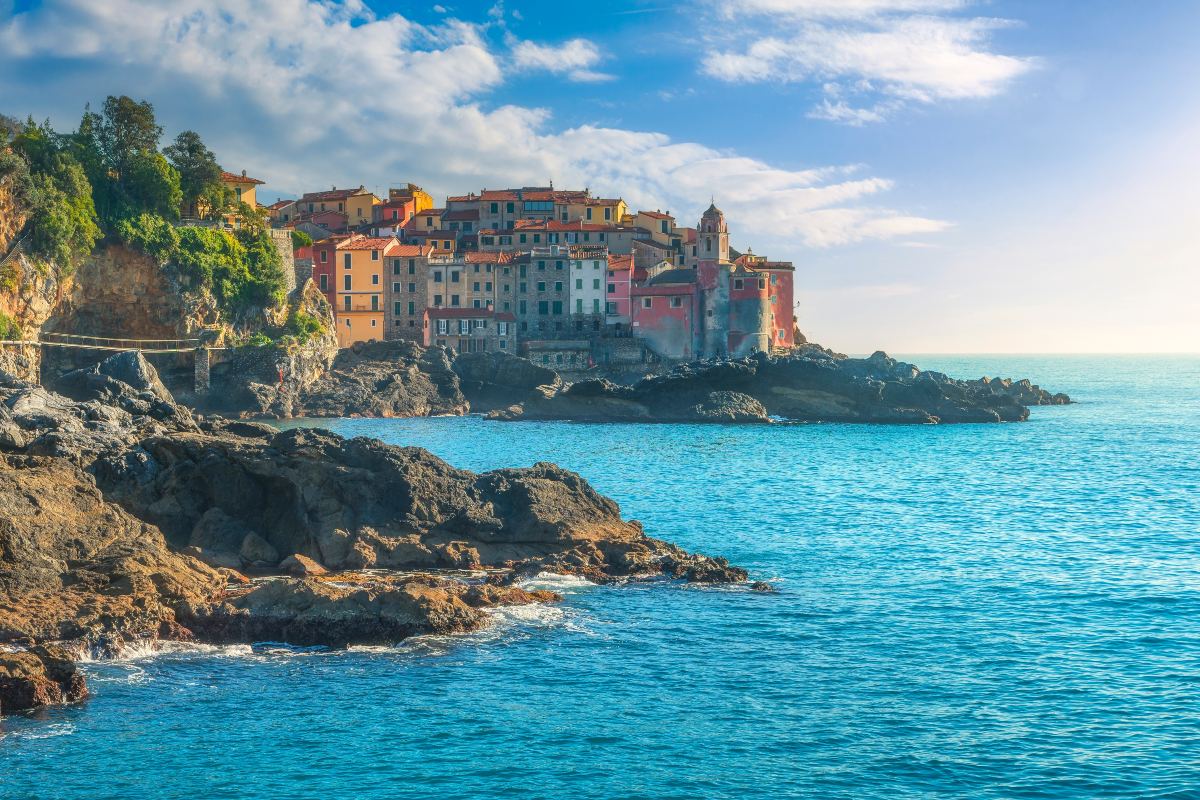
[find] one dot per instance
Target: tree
(152, 185)
(125, 130)
(199, 173)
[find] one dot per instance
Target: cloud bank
(309, 93)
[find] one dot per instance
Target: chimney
(243, 173)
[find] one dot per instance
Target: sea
(983, 611)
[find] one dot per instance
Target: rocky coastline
(125, 518)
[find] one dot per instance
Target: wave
(563, 584)
(41, 731)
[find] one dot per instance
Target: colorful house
(358, 278)
(619, 281)
(419, 198)
(355, 204)
(244, 188)
(586, 288)
(407, 270)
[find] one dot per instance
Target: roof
(278, 204)
(395, 203)
(333, 194)
(712, 210)
(653, 243)
(589, 250)
(461, 215)
(498, 194)
(655, 215)
(674, 276)
(621, 262)
(495, 257)
(367, 243)
(408, 251)
(662, 289)
(471, 313)
(230, 177)
(430, 212)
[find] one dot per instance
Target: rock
(257, 550)
(762, 586)
(301, 566)
(40, 676)
(494, 381)
(811, 384)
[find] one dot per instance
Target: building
(471, 330)
(396, 210)
(407, 271)
(281, 212)
(719, 308)
(618, 315)
(589, 270)
(244, 188)
(356, 204)
(542, 292)
(324, 258)
(359, 287)
(419, 198)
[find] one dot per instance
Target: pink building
(617, 293)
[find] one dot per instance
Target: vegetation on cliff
(108, 179)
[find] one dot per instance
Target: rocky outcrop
(812, 385)
(29, 294)
(40, 676)
(122, 518)
(493, 381)
(385, 379)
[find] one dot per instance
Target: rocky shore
(125, 518)
(809, 385)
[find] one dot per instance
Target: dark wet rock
(762, 586)
(811, 384)
(37, 677)
(385, 379)
(492, 381)
(301, 566)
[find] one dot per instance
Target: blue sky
(947, 175)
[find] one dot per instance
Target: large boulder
(497, 380)
(40, 676)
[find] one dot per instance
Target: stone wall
(283, 243)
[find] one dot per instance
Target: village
(560, 276)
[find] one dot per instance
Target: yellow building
(359, 276)
(660, 226)
(598, 210)
(421, 198)
(242, 186)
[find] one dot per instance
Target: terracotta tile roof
(621, 262)
(499, 194)
(496, 257)
(278, 204)
(409, 251)
(332, 194)
(230, 177)
(430, 212)
(368, 243)
(462, 198)
(655, 215)
(461, 215)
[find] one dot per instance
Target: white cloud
(347, 97)
(880, 48)
(574, 58)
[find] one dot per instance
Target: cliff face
(29, 295)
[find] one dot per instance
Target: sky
(946, 175)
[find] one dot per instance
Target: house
(471, 330)
(419, 198)
(618, 282)
(281, 212)
(542, 295)
(406, 269)
(242, 186)
(358, 281)
(398, 210)
(589, 269)
(666, 314)
(356, 204)
(324, 258)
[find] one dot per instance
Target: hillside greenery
(108, 180)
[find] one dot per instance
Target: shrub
(300, 239)
(151, 234)
(10, 329)
(304, 326)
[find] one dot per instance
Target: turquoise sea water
(964, 611)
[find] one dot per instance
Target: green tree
(300, 239)
(152, 185)
(199, 173)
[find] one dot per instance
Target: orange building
(359, 276)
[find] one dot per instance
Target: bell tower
(712, 236)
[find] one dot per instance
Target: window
(324, 256)
(558, 307)
(578, 283)
(646, 302)
(346, 283)
(521, 306)
(612, 288)
(578, 306)
(611, 308)
(454, 303)
(558, 265)
(395, 288)
(524, 287)
(595, 265)
(437, 276)
(762, 283)
(481, 324)
(578, 264)
(347, 323)
(522, 238)
(437, 301)
(543, 307)
(412, 309)
(443, 326)
(676, 302)
(596, 283)
(397, 309)
(464, 327)
(475, 286)
(541, 266)
(508, 207)
(347, 303)
(373, 323)
(374, 280)
(541, 286)
(522, 273)
(412, 288)
(324, 282)
(447, 245)
(374, 255)
(503, 344)
(589, 212)
(595, 305)
(374, 302)
(558, 286)
(395, 266)
(502, 329)
(737, 283)
(495, 208)
(558, 358)
(487, 287)
(476, 304)
(346, 260)
(608, 213)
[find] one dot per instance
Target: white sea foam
(556, 583)
(41, 731)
